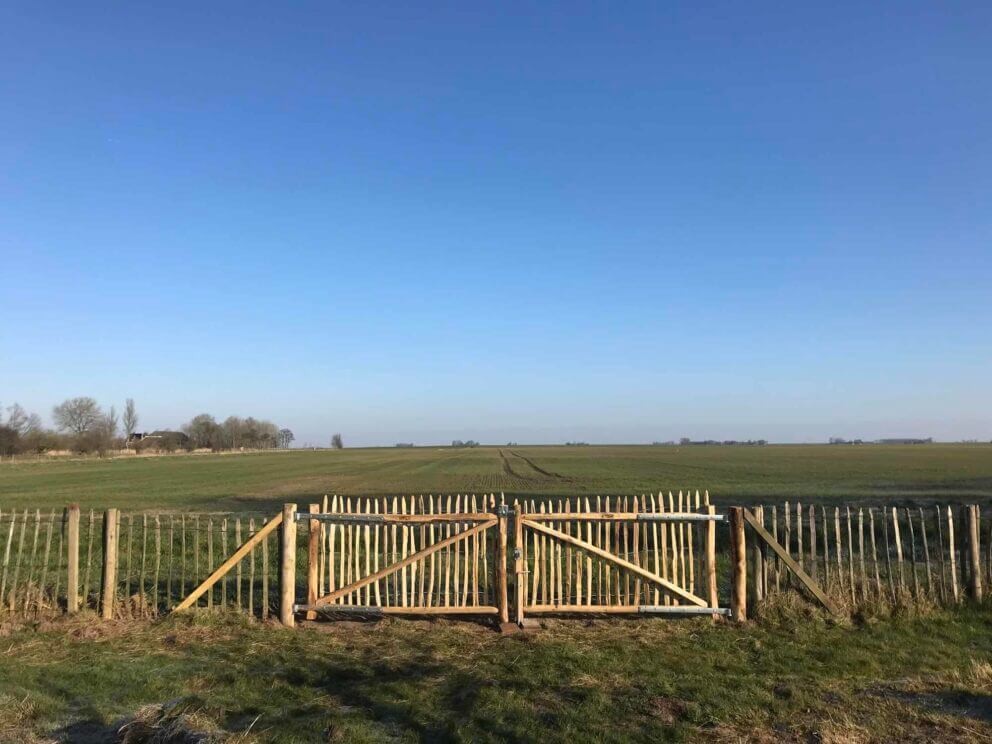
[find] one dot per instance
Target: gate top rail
(622, 517)
(394, 518)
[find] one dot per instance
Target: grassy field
(793, 675)
(732, 474)
(905, 679)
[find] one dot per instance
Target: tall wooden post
(503, 598)
(738, 560)
(974, 556)
(287, 566)
(518, 563)
(72, 549)
(313, 561)
(711, 559)
(110, 520)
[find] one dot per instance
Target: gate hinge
(504, 510)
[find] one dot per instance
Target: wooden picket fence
(482, 555)
(862, 555)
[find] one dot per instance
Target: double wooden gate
(450, 556)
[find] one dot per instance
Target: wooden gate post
(974, 556)
(313, 565)
(711, 559)
(503, 597)
(72, 549)
(738, 560)
(110, 519)
(518, 563)
(287, 566)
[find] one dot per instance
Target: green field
(795, 675)
(872, 473)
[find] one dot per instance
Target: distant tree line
(82, 426)
(460, 443)
(235, 433)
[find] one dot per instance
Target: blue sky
(614, 223)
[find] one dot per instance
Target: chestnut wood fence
(661, 554)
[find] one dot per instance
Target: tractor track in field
(542, 474)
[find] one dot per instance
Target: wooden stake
(874, 552)
(710, 561)
(898, 539)
(519, 567)
(940, 553)
(975, 553)
(158, 561)
(926, 552)
(850, 555)
(109, 563)
(912, 553)
(953, 553)
(263, 534)
(287, 566)
(501, 558)
(738, 560)
(313, 561)
(861, 552)
(238, 573)
(72, 587)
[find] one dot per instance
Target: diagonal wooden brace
(605, 555)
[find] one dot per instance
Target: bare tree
(111, 423)
(77, 415)
(130, 419)
(336, 442)
(284, 438)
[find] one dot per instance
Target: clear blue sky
(614, 222)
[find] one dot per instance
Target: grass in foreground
(263, 481)
(923, 678)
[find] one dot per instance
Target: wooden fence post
(72, 585)
(518, 563)
(974, 554)
(503, 597)
(110, 519)
(738, 560)
(287, 566)
(313, 565)
(711, 559)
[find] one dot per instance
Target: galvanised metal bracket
(504, 510)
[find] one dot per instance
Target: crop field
(875, 474)
(910, 673)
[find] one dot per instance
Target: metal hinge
(504, 510)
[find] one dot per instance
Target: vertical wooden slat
(109, 563)
(34, 554)
(888, 553)
(239, 569)
(6, 556)
(287, 566)
(72, 584)
(519, 566)
(874, 553)
(313, 561)
(265, 575)
(975, 554)
(144, 561)
(850, 554)
(158, 562)
(811, 515)
(826, 545)
(251, 569)
(940, 554)
(799, 535)
(43, 581)
(223, 551)
(776, 559)
(926, 552)
(839, 552)
(210, 567)
(89, 559)
(912, 553)
(861, 552)
(952, 553)
(738, 553)
(899, 556)
(711, 560)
